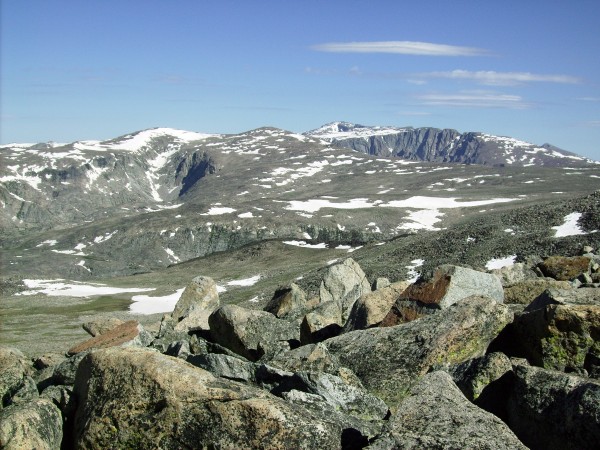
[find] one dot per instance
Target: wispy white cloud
(589, 99)
(493, 78)
(593, 123)
(474, 99)
(400, 47)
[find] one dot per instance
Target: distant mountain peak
(444, 145)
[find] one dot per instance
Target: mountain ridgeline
(444, 145)
(161, 196)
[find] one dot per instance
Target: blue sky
(95, 69)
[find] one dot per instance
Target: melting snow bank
(499, 263)
(145, 304)
(243, 282)
(570, 227)
(412, 273)
(60, 287)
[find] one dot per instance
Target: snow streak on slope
(345, 130)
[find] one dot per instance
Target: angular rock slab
(450, 284)
(139, 398)
(554, 410)
(344, 283)
(390, 360)
(126, 334)
(285, 300)
(370, 309)
(321, 323)
(437, 415)
(564, 268)
(33, 425)
(524, 292)
(200, 294)
(251, 334)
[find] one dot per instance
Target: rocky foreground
(459, 359)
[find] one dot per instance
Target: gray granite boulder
(344, 283)
(390, 360)
(436, 415)
(249, 333)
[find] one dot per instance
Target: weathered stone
(200, 294)
(474, 375)
(380, 283)
(553, 410)
(565, 268)
(561, 337)
(436, 415)
(225, 366)
(26, 393)
(344, 283)
(311, 357)
(252, 334)
(196, 320)
(390, 360)
(580, 296)
(100, 326)
(524, 292)
(450, 284)
(48, 360)
(285, 300)
(179, 349)
(349, 399)
(515, 273)
(139, 398)
(64, 373)
(32, 425)
(14, 371)
(370, 309)
(130, 333)
(404, 310)
(323, 322)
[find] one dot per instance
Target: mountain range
(158, 197)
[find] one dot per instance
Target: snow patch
(570, 227)
(60, 287)
(499, 263)
(145, 304)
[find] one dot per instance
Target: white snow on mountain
(345, 130)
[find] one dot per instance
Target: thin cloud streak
(492, 78)
(401, 48)
(474, 100)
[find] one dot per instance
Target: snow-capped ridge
(347, 130)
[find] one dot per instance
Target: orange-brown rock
(128, 333)
(565, 268)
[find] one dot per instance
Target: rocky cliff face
(444, 145)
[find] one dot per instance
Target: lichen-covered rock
(563, 337)
(285, 300)
(138, 398)
(436, 415)
(474, 375)
(390, 360)
(321, 323)
(130, 333)
(100, 326)
(252, 334)
(14, 371)
(524, 292)
(344, 283)
(552, 410)
(450, 284)
(370, 309)
(564, 268)
(33, 425)
(64, 373)
(225, 366)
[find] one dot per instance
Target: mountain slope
(436, 145)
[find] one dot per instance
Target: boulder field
(504, 359)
